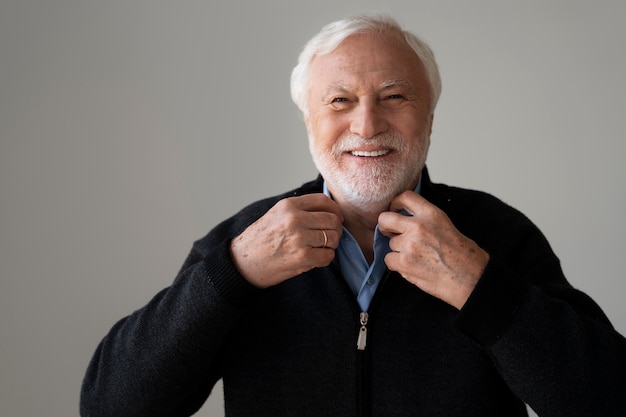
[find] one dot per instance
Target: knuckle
(290, 219)
(337, 224)
(284, 203)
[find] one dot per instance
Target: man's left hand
(428, 251)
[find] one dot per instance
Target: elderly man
(370, 291)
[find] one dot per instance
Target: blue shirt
(363, 278)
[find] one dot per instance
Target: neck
(362, 225)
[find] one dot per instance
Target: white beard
(373, 187)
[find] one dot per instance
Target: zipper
(363, 394)
(363, 379)
(361, 341)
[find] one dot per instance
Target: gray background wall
(129, 128)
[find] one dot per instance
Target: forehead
(370, 58)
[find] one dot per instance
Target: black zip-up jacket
(524, 336)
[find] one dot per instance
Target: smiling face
(369, 119)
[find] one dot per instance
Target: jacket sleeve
(551, 343)
(162, 360)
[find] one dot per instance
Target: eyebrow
(333, 89)
(336, 87)
(395, 83)
(384, 85)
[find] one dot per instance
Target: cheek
(419, 133)
(323, 133)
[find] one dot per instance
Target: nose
(368, 120)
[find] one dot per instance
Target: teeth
(375, 153)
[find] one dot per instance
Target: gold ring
(325, 239)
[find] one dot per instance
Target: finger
(409, 201)
(317, 202)
(391, 224)
(322, 221)
(391, 261)
(324, 239)
(395, 244)
(324, 245)
(314, 211)
(320, 258)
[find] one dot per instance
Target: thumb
(407, 203)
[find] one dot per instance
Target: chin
(369, 204)
(371, 193)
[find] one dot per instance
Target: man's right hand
(295, 236)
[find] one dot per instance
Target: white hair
(333, 34)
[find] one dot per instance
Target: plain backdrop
(130, 128)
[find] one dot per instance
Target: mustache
(388, 140)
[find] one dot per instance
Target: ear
(431, 118)
(307, 122)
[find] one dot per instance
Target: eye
(393, 100)
(339, 103)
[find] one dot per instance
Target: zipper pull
(362, 339)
